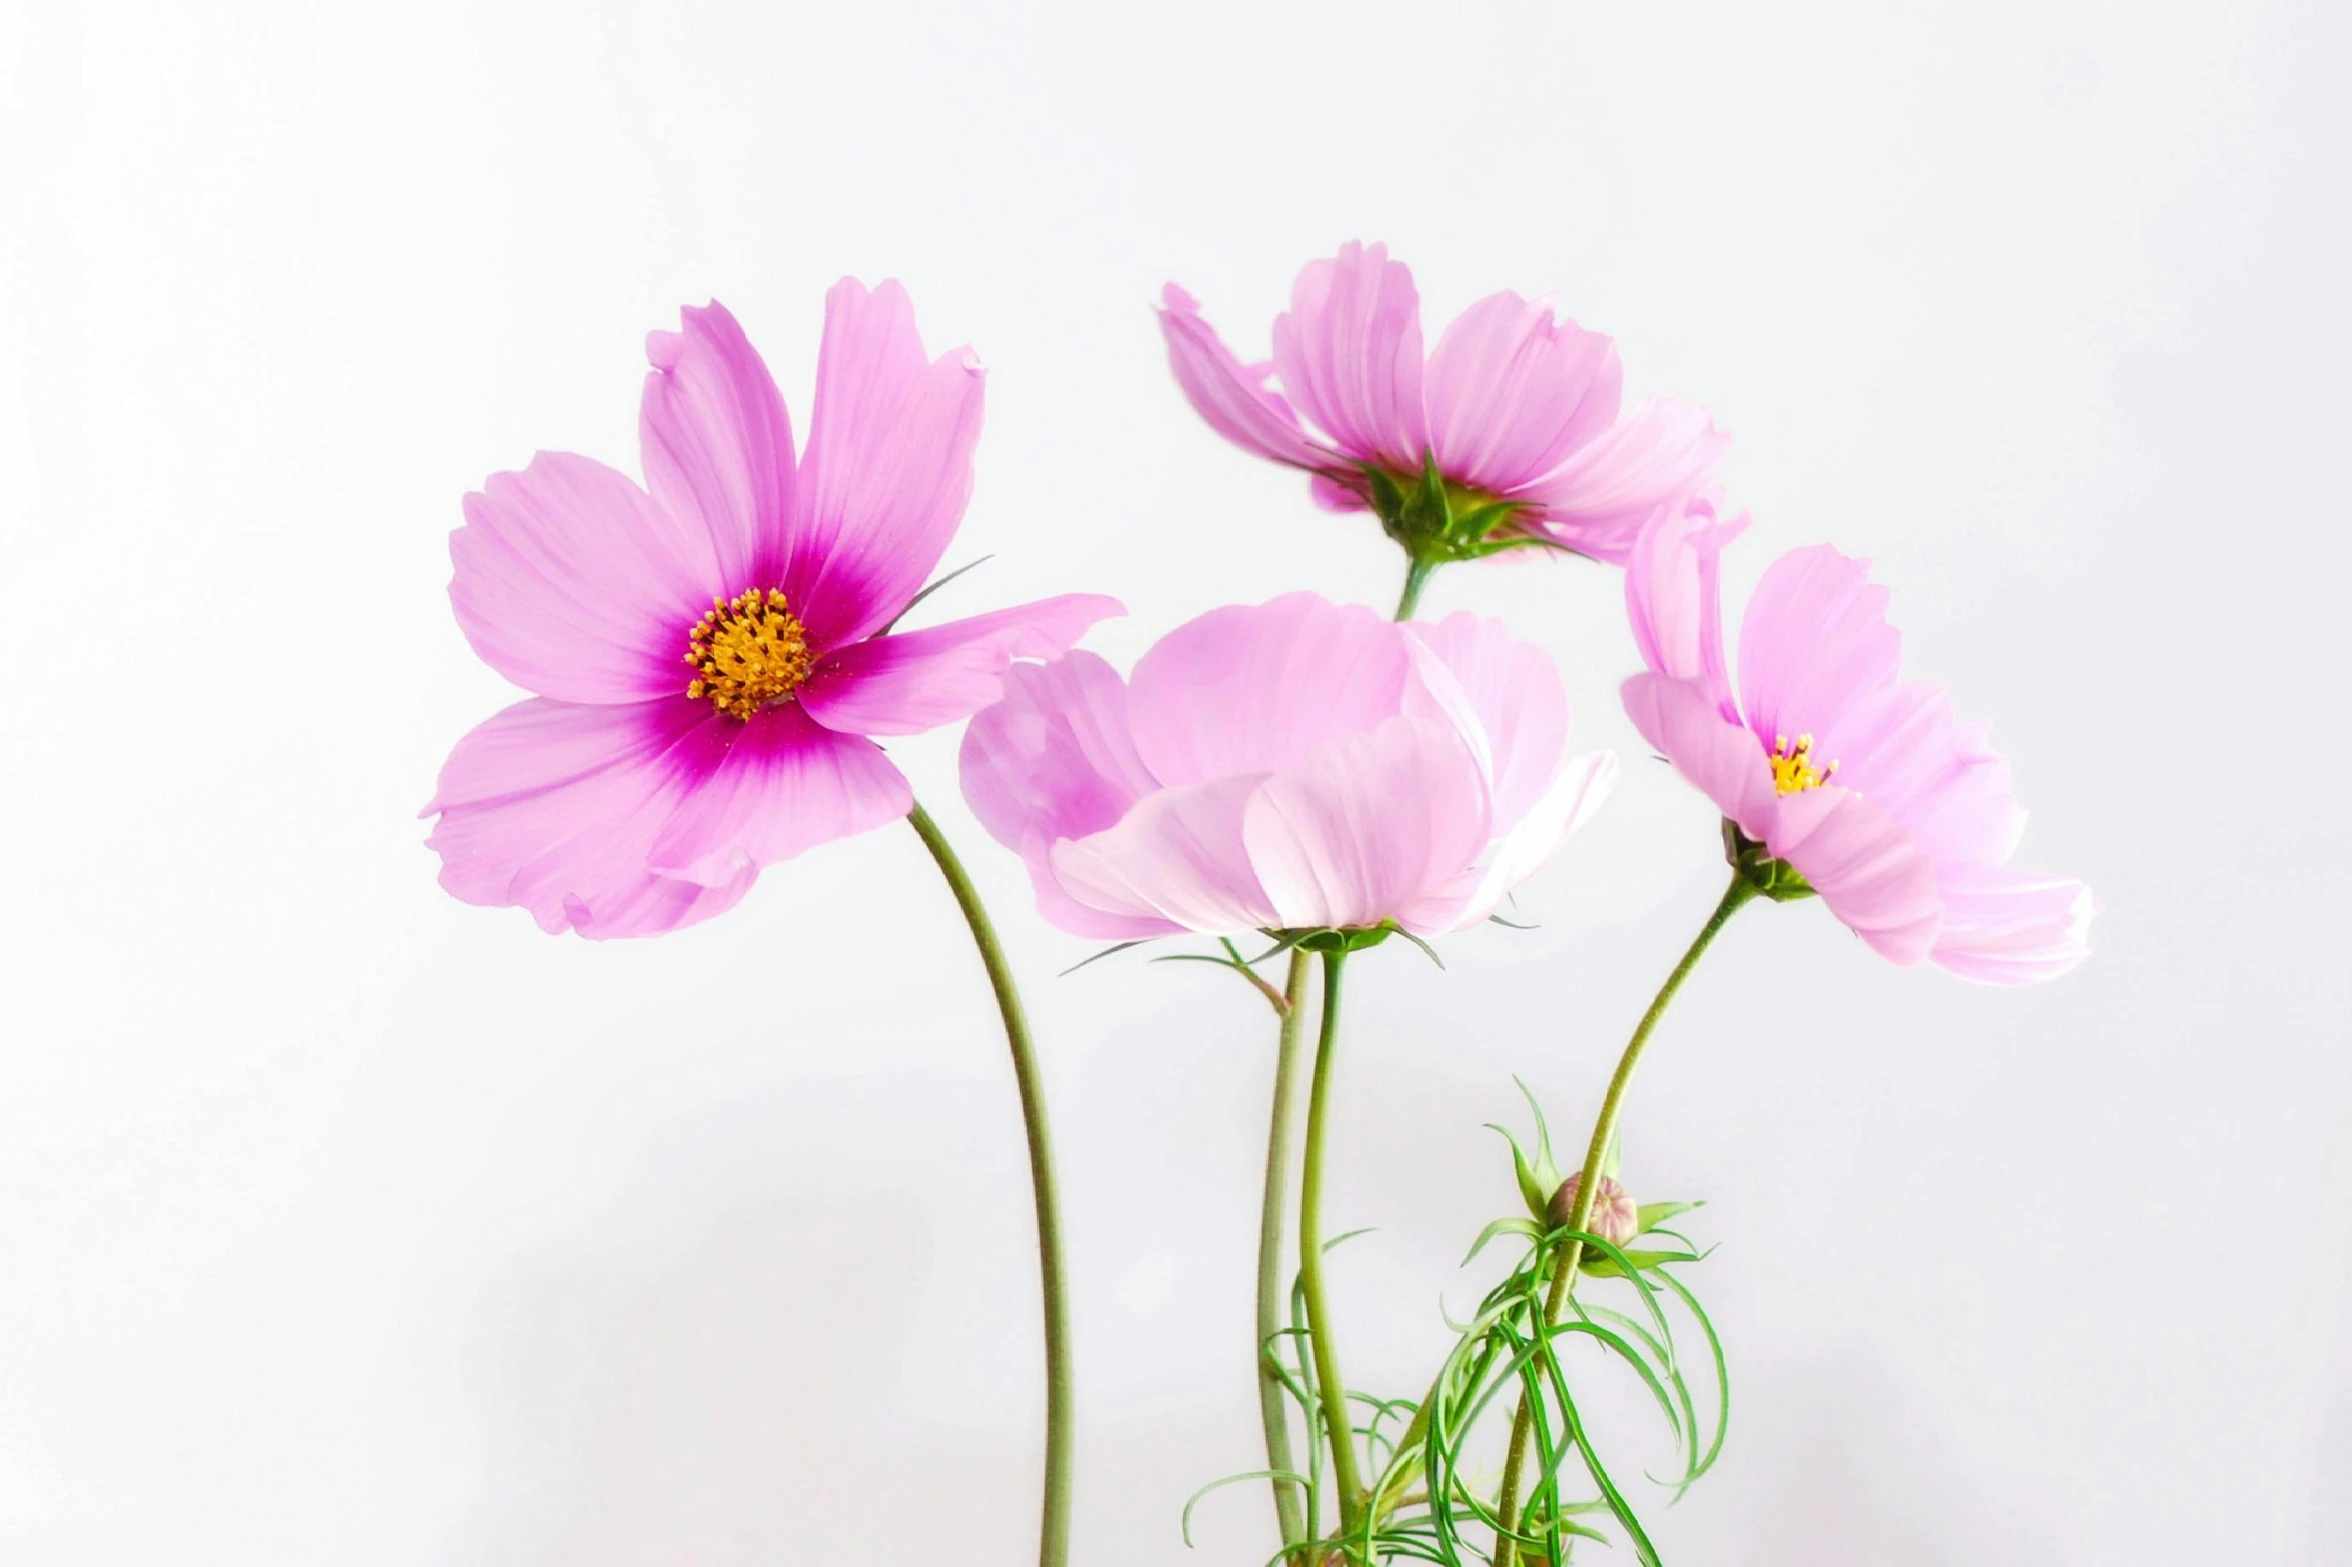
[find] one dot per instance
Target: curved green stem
(1329, 1385)
(1273, 1410)
(1588, 1188)
(1417, 576)
(1053, 1548)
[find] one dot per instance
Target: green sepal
(1604, 1268)
(1510, 1226)
(1650, 1215)
(1775, 878)
(1344, 940)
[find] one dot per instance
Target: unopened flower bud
(1614, 1217)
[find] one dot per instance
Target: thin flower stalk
(1289, 1505)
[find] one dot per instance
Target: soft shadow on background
(344, 1223)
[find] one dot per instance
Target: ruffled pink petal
(1349, 354)
(1596, 502)
(1938, 777)
(1255, 688)
(717, 445)
(1234, 399)
(1879, 883)
(1514, 695)
(1054, 758)
(1512, 393)
(1177, 857)
(1521, 849)
(572, 583)
(770, 789)
(1814, 645)
(917, 680)
(1681, 720)
(1368, 826)
(553, 807)
(2008, 927)
(1671, 594)
(888, 467)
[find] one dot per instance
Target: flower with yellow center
(747, 652)
(1792, 767)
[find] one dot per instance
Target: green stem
(1417, 577)
(1053, 1547)
(1330, 1386)
(1588, 1189)
(1273, 1410)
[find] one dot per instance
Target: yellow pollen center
(1792, 768)
(747, 652)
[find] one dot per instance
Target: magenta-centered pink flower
(709, 652)
(1512, 405)
(1899, 816)
(1293, 765)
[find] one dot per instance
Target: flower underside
(748, 652)
(1793, 771)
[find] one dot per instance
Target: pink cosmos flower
(1511, 407)
(1896, 814)
(710, 653)
(1293, 765)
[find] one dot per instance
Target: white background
(343, 1223)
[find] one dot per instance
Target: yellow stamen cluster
(1792, 767)
(747, 652)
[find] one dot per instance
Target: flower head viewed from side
(1829, 765)
(711, 654)
(1294, 765)
(1510, 431)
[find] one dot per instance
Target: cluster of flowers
(714, 655)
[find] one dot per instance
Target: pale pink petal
(2009, 927)
(572, 583)
(911, 681)
(1814, 645)
(552, 807)
(888, 467)
(1671, 594)
(1177, 856)
(1054, 758)
(1234, 399)
(1511, 393)
(717, 445)
(1938, 777)
(1367, 826)
(1596, 502)
(1254, 688)
(1879, 884)
(1521, 849)
(773, 788)
(1519, 705)
(1681, 720)
(1349, 354)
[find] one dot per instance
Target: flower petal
(1938, 777)
(888, 469)
(1368, 826)
(1177, 856)
(1864, 866)
(1253, 688)
(1234, 400)
(1512, 393)
(553, 806)
(1514, 694)
(1681, 719)
(572, 583)
(1672, 598)
(1349, 354)
(770, 789)
(1054, 758)
(2009, 927)
(1582, 785)
(1596, 502)
(916, 680)
(1813, 646)
(716, 442)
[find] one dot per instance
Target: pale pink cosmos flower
(709, 652)
(1294, 765)
(1512, 405)
(1900, 817)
